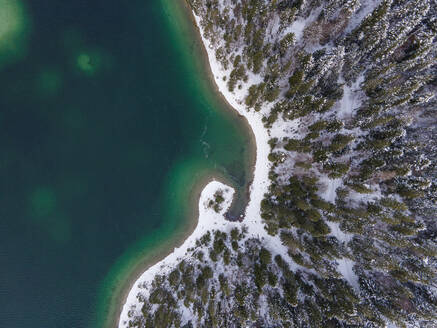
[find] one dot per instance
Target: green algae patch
(87, 63)
(91, 62)
(14, 27)
(87, 58)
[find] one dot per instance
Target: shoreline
(260, 181)
(206, 67)
(160, 252)
(260, 165)
(205, 63)
(167, 248)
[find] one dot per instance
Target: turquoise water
(106, 121)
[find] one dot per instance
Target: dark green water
(106, 121)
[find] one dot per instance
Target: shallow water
(106, 121)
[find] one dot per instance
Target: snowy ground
(208, 219)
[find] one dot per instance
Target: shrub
(393, 204)
(337, 170)
(297, 145)
(265, 257)
(286, 42)
(294, 81)
(303, 165)
(260, 276)
(334, 126)
(235, 234)
(339, 142)
(272, 278)
(174, 277)
(360, 188)
(318, 126)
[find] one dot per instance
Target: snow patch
(337, 233)
(367, 7)
(298, 26)
(329, 194)
(345, 267)
(351, 100)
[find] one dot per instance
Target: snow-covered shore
(208, 219)
(235, 99)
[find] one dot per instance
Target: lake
(108, 119)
